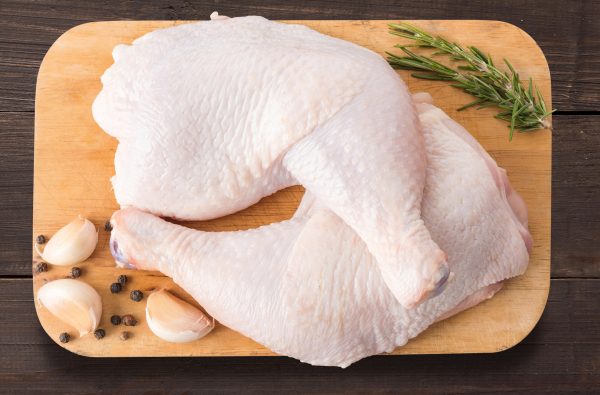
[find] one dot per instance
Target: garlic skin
(175, 320)
(72, 244)
(74, 302)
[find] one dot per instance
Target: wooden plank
(16, 187)
(567, 32)
(561, 355)
(570, 315)
(74, 161)
(576, 198)
(575, 209)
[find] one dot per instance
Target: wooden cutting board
(74, 161)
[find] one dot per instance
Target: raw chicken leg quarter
(213, 116)
(310, 289)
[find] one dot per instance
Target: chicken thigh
(309, 288)
(213, 116)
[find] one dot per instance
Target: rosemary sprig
(524, 109)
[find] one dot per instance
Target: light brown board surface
(74, 161)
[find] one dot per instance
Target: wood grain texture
(576, 198)
(74, 161)
(568, 32)
(555, 363)
(16, 187)
(561, 355)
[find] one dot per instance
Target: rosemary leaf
(431, 76)
(473, 103)
(523, 108)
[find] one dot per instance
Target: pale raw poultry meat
(213, 116)
(310, 289)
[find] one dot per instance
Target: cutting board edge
(74, 29)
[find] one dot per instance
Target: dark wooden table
(562, 354)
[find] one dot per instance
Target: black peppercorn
(115, 288)
(99, 333)
(108, 226)
(136, 295)
(75, 272)
(122, 279)
(41, 267)
(124, 335)
(128, 320)
(115, 320)
(41, 239)
(64, 337)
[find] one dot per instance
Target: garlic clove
(74, 302)
(175, 320)
(72, 244)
